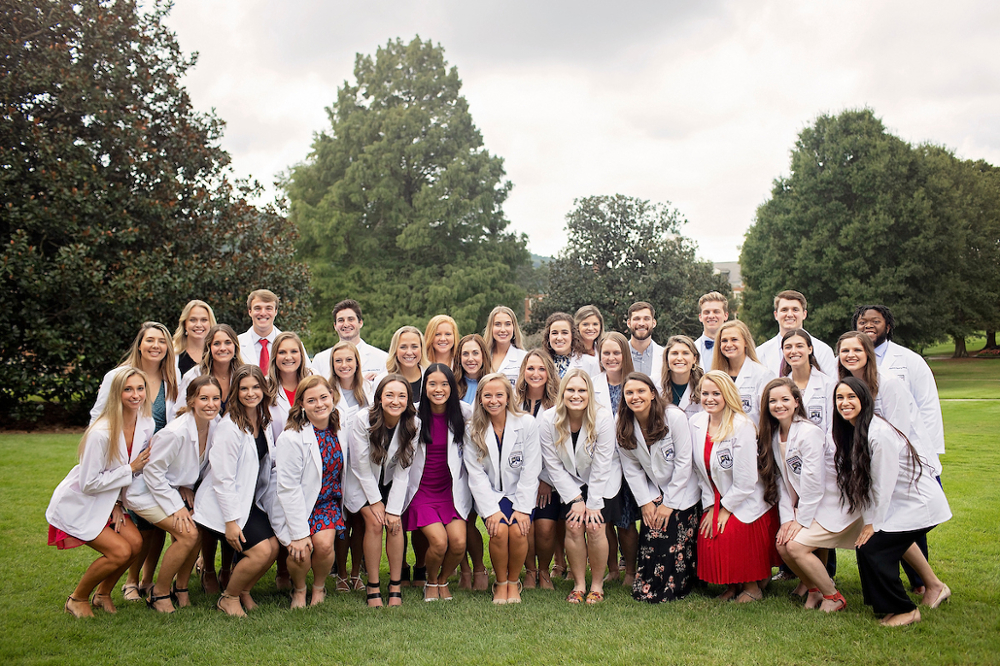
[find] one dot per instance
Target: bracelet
(572, 502)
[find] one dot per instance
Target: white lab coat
(705, 354)
(368, 473)
(685, 405)
(895, 404)
(102, 395)
(299, 477)
(593, 465)
(750, 383)
(585, 362)
(174, 462)
(182, 388)
(460, 492)
(817, 400)
(602, 391)
(657, 364)
(770, 355)
(900, 502)
(235, 481)
(510, 367)
(663, 469)
(279, 413)
(808, 488)
(83, 501)
(733, 469)
(372, 360)
(513, 475)
(914, 372)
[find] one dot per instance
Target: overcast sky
(696, 103)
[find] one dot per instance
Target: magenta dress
(433, 501)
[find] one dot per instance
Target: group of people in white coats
(732, 462)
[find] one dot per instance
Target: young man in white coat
(877, 322)
(641, 322)
(713, 312)
(255, 343)
(790, 310)
(347, 322)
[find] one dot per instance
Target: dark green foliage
(399, 204)
(115, 208)
(866, 218)
(620, 250)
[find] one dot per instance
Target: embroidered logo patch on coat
(668, 452)
(795, 463)
(747, 402)
(816, 414)
(515, 460)
(725, 459)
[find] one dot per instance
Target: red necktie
(265, 358)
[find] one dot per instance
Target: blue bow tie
(709, 344)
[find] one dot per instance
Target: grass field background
(965, 552)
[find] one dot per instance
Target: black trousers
(878, 566)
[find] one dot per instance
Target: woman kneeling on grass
(311, 467)
(812, 518)
(382, 445)
(880, 474)
(736, 540)
(654, 445)
(438, 483)
(503, 460)
(237, 494)
(163, 494)
(577, 438)
(86, 506)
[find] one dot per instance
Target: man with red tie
(255, 344)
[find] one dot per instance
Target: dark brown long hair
(456, 364)
(853, 457)
(797, 332)
(768, 469)
(576, 344)
(656, 426)
(194, 388)
(871, 362)
(378, 432)
(237, 412)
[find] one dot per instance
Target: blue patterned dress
(328, 513)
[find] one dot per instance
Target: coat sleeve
(223, 457)
(95, 476)
(603, 466)
(163, 450)
(884, 472)
(291, 457)
(787, 497)
(361, 461)
(102, 396)
(487, 499)
(680, 479)
(644, 490)
(812, 483)
(531, 467)
(925, 393)
(564, 484)
(744, 468)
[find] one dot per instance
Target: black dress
(666, 567)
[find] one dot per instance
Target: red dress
(742, 553)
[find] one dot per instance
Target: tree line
(119, 206)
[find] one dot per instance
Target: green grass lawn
(35, 580)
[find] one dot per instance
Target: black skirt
(667, 564)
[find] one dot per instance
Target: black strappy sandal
(174, 591)
(377, 594)
(395, 595)
(152, 599)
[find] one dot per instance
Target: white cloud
(696, 103)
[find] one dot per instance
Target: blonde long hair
(733, 409)
(481, 419)
(718, 359)
(358, 390)
(516, 340)
(113, 414)
(180, 335)
(551, 383)
(391, 363)
(133, 358)
(562, 414)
